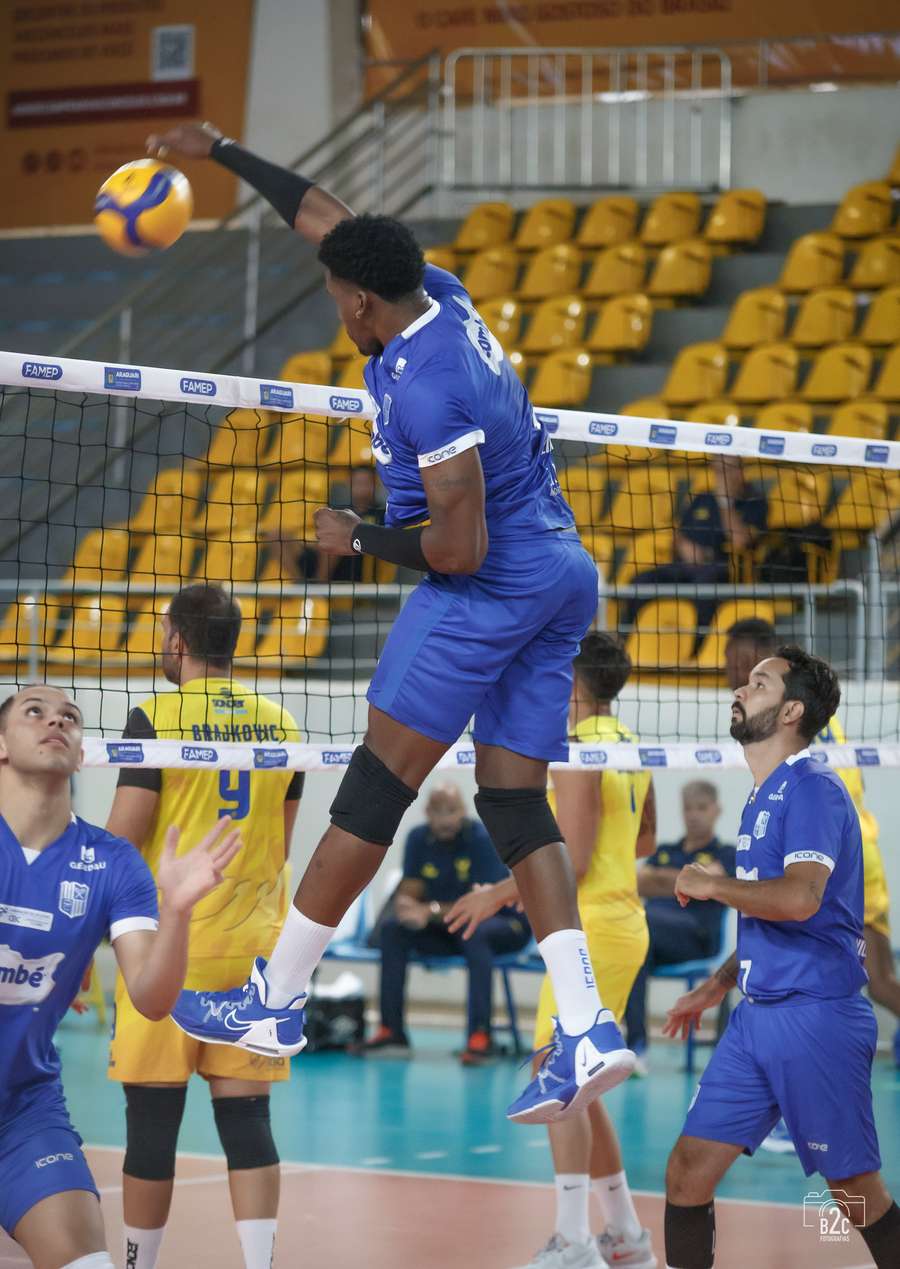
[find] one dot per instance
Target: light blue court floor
(429, 1115)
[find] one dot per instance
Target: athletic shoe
(575, 1070)
(241, 1017)
(479, 1049)
(619, 1252)
(779, 1140)
(641, 1062)
(558, 1254)
(897, 1047)
(384, 1043)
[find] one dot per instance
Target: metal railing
(587, 118)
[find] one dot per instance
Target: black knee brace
(245, 1131)
(371, 800)
(152, 1119)
(519, 821)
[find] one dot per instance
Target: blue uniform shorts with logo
(497, 645)
(810, 1063)
(35, 1165)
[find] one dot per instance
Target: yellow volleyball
(144, 206)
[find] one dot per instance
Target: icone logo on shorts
(124, 751)
(771, 444)
(824, 451)
(125, 377)
(593, 757)
(877, 453)
(597, 427)
(47, 370)
(26, 981)
(465, 757)
(336, 757)
(199, 753)
(868, 757)
(346, 405)
(708, 757)
(276, 394)
(653, 757)
(723, 439)
(663, 433)
(198, 387)
(550, 422)
(265, 759)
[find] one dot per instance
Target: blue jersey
(442, 386)
(54, 911)
(803, 813)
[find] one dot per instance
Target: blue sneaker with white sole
(241, 1017)
(575, 1070)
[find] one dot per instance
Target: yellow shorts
(145, 1052)
(618, 943)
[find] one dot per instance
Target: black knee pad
(371, 801)
(152, 1119)
(245, 1131)
(519, 821)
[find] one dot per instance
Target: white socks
(568, 962)
(257, 1243)
(142, 1247)
(297, 953)
(617, 1205)
(573, 1190)
(97, 1260)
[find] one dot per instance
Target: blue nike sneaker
(242, 1018)
(575, 1070)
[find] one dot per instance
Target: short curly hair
(603, 665)
(813, 683)
(375, 253)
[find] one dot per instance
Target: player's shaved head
(445, 810)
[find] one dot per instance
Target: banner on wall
(769, 41)
(85, 81)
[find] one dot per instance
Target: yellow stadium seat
(839, 373)
(546, 223)
(877, 265)
(737, 219)
(616, 270)
(553, 271)
(623, 325)
(887, 385)
(492, 272)
(682, 271)
(517, 360)
(251, 607)
(698, 374)
(557, 323)
(641, 552)
(796, 497)
(608, 222)
(716, 414)
(638, 508)
(298, 632)
(172, 502)
(24, 633)
(768, 373)
(866, 501)
(487, 225)
(671, 218)
(352, 445)
(503, 318)
(825, 316)
(301, 439)
(882, 321)
(757, 317)
(230, 561)
(342, 346)
(647, 408)
(242, 439)
(441, 258)
(712, 651)
(307, 367)
(351, 375)
(563, 378)
(869, 419)
(289, 514)
(143, 634)
(235, 502)
(664, 635)
(166, 559)
(102, 554)
(89, 629)
(865, 210)
(785, 416)
(814, 260)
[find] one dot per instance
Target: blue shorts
(498, 645)
(47, 1161)
(808, 1063)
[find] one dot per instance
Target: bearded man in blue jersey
(800, 1044)
(490, 633)
(64, 886)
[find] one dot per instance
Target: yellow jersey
(243, 915)
(877, 899)
(611, 878)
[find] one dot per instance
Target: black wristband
(397, 546)
(285, 190)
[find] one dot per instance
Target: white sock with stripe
(142, 1247)
(568, 962)
(573, 1190)
(257, 1243)
(616, 1205)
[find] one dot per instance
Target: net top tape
(236, 392)
(100, 751)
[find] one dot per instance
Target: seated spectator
(301, 562)
(676, 933)
(444, 859)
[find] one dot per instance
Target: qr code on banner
(172, 52)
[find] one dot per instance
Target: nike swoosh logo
(573, 1187)
(243, 1026)
(615, 1187)
(595, 1069)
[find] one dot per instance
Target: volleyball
(144, 206)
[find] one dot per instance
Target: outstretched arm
(308, 210)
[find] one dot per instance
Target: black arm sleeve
(295, 788)
(283, 189)
(139, 727)
(397, 546)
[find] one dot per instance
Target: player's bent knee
(152, 1120)
(245, 1131)
(519, 821)
(371, 800)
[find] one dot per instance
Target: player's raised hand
(688, 1009)
(694, 882)
(185, 879)
(334, 530)
(191, 140)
